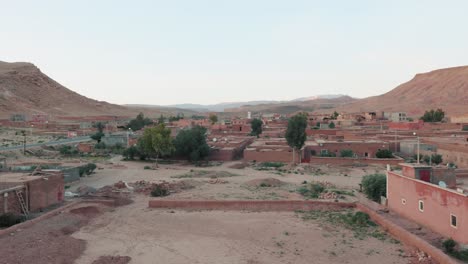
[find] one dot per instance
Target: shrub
(147, 168)
(449, 245)
(87, 169)
(159, 191)
(374, 186)
(384, 154)
(347, 153)
(68, 150)
(272, 164)
(100, 145)
(9, 219)
(312, 190)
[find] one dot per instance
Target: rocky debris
(217, 181)
(113, 260)
(85, 190)
(266, 182)
(328, 195)
(146, 187)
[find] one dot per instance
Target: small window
(453, 220)
(421, 206)
(403, 201)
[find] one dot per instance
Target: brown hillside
(25, 89)
(295, 106)
(444, 88)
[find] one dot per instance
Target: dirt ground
(165, 236)
(231, 184)
(134, 233)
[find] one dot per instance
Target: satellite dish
(442, 184)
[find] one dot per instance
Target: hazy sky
(167, 52)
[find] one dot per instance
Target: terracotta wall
(279, 155)
(44, 193)
(439, 204)
(249, 205)
(348, 161)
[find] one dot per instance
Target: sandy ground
(163, 236)
(231, 188)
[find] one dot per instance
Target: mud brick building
(38, 192)
(411, 194)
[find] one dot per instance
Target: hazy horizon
(209, 52)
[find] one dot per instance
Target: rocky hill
(25, 89)
(444, 88)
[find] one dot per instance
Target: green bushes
(313, 190)
(384, 154)
(87, 169)
(374, 186)
(346, 153)
(272, 164)
(9, 219)
(450, 246)
(68, 150)
(159, 191)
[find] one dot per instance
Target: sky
(205, 52)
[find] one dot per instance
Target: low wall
(346, 161)
(406, 237)
(238, 205)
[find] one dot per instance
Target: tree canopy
(191, 143)
(256, 126)
(213, 118)
(139, 122)
(157, 142)
(295, 133)
(331, 125)
(384, 154)
(433, 115)
(99, 134)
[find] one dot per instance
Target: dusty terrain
(134, 233)
(162, 236)
(443, 88)
(232, 184)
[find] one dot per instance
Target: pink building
(411, 194)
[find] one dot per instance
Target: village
(361, 187)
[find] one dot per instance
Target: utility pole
(24, 141)
(418, 145)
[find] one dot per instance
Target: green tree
(191, 143)
(99, 134)
(131, 152)
(347, 153)
(331, 125)
(295, 133)
(335, 115)
(256, 126)
(213, 118)
(374, 186)
(157, 142)
(161, 119)
(433, 115)
(384, 154)
(139, 122)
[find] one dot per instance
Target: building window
(421, 206)
(453, 220)
(403, 201)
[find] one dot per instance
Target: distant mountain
(325, 96)
(444, 88)
(295, 106)
(220, 107)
